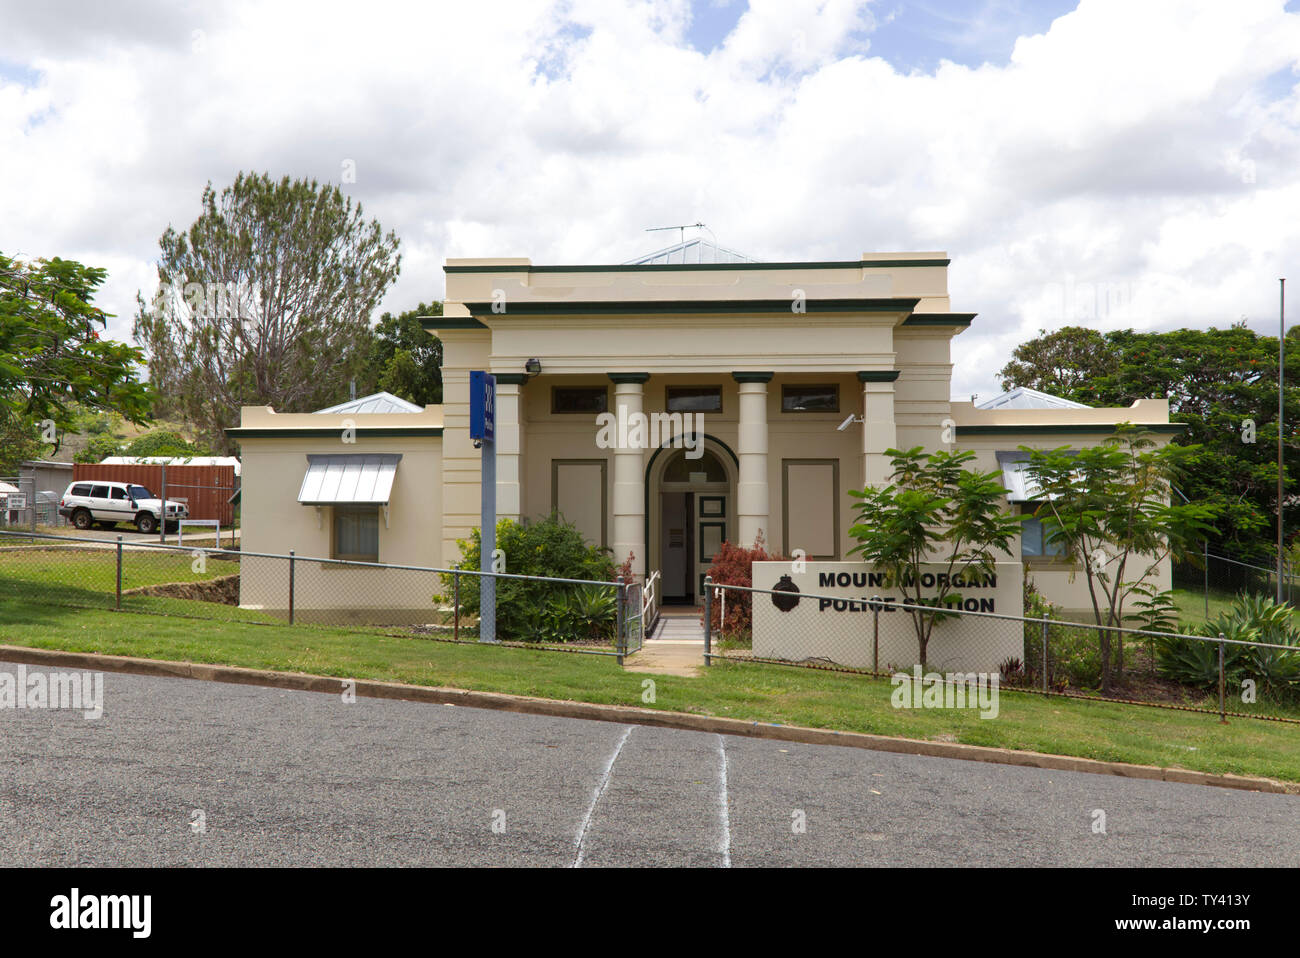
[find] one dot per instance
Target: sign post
(482, 429)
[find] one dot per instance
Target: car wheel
(82, 519)
(146, 523)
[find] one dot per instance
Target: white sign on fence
(16, 501)
(832, 617)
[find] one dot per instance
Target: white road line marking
(726, 814)
(595, 798)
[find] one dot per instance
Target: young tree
(1111, 508)
(935, 510)
(265, 300)
(53, 363)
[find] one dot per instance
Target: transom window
(579, 399)
(693, 399)
(811, 398)
(705, 469)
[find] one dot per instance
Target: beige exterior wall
(274, 522)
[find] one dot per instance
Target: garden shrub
(1073, 652)
(1252, 618)
(731, 566)
(529, 611)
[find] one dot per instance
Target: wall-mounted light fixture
(533, 367)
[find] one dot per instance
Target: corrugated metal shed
(349, 479)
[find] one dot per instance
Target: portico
(771, 359)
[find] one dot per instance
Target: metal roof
(348, 479)
(1025, 398)
(378, 403)
(171, 461)
(692, 251)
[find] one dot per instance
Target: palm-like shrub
(1252, 618)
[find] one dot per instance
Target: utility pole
(1281, 378)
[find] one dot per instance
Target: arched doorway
(692, 512)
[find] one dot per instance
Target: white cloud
(1133, 165)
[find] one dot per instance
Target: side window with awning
(357, 489)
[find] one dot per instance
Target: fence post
(621, 619)
(1223, 718)
(708, 620)
(455, 606)
(162, 519)
(1044, 651)
(875, 635)
(1207, 580)
(291, 560)
(118, 606)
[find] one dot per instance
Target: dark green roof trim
(743, 377)
(300, 433)
(512, 379)
(877, 375)
(449, 322)
(1066, 429)
(638, 378)
(940, 319)
(652, 306)
(696, 267)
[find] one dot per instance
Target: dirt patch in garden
(223, 589)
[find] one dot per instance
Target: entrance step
(675, 648)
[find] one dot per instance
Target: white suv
(108, 503)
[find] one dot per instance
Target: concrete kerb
(628, 715)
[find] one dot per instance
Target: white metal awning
(349, 479)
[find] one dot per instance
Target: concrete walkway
(675, 648)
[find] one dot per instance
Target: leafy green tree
(1064, 362)
(53, 362)
(265, 300)
(1112, 510)
(404, 359)
(163, 442)
(935, 510)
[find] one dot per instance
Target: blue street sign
(482, 406)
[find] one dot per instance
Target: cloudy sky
(1107, 162)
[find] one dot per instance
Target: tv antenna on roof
(684, 227)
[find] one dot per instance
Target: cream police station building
(663, 406)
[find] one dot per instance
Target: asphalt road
(299, 778)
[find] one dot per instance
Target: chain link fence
(1221, 577)
(24, 506)
(231, 585)
(879, 637)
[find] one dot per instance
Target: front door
(710, 533)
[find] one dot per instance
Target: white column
(629, 476)
(509, 447)
(878, 429)
(752, 502)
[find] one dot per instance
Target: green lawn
(88, 577)
(754, 692)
